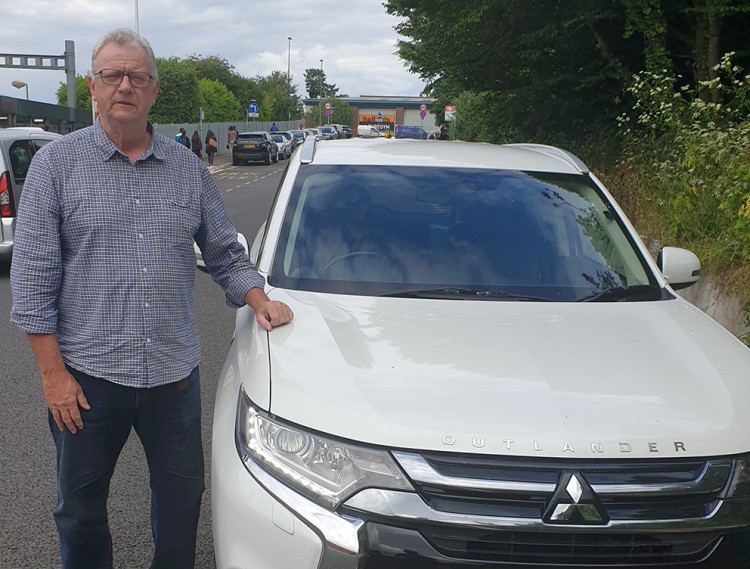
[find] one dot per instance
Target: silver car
(17, 147)
(284, 144)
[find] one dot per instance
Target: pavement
(221, 160)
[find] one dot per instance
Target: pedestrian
(274, 128)
(231, 137)
(212, 145)
(183, 138)
(196, 144)
(102, 282)
(443, 133)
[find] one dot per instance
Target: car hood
(572, 380)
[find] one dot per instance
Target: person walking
(212, 145)
(183, 138)
(196, 144)
(102, 283)
(231, 138)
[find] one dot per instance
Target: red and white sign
(450, 110)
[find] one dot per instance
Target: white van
(368, 131)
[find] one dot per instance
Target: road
(27, 456)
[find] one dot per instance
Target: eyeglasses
(138, 79)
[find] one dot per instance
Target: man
(103, 275)
(274, 128)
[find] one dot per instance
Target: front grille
(628, 491)
(577, 513)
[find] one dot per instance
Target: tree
(217, 102)
(316, 85)
(219, 69)
(562, 68)
(178, 99)
(83, 96)
(279, 99)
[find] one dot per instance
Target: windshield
(411, 230)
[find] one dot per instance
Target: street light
(18, 84)
(289, 61)
(320, 111)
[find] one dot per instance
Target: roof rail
(308, 149)
(568, 157)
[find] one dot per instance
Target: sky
(355, 39)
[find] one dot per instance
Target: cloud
(355, 39)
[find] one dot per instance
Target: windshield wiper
(464, 293)
(621, 294)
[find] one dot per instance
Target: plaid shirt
(104, 259)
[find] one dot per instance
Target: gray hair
(126, 37)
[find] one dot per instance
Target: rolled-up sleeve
(36, 271)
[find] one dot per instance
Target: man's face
(122, 103)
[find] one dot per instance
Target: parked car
(313, 132)
(298, 136)
(368, 131)
(251, 146)
(284, 144)
(417, 132)
(486, 368)
(342, 130)
(295, 143)
(17, 147)
(328, 132)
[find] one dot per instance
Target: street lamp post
(18, 84)
(289, 61)
(320, 111)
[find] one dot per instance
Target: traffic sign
(253, 107)
(450, 110)
(423, 114)
(422, 107)
(329, 112)
(328, 106)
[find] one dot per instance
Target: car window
(251, 138)
(21, 152)
(367, 230)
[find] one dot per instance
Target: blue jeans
(168, 421)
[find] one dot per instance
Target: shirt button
(145, 270)
(146, 304)
(137, 202)
(140, 236)
(148, 340)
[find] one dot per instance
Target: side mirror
(680, 267)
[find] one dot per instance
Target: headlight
(328, 472)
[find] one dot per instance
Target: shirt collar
(108, 148)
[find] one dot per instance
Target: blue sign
(253, 108)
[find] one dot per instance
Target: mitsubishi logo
(574, 502)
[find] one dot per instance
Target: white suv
(486, 369)
(17, 147)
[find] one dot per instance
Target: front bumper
(261, 523)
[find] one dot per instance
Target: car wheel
(275, 157)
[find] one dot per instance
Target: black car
(254, 146)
